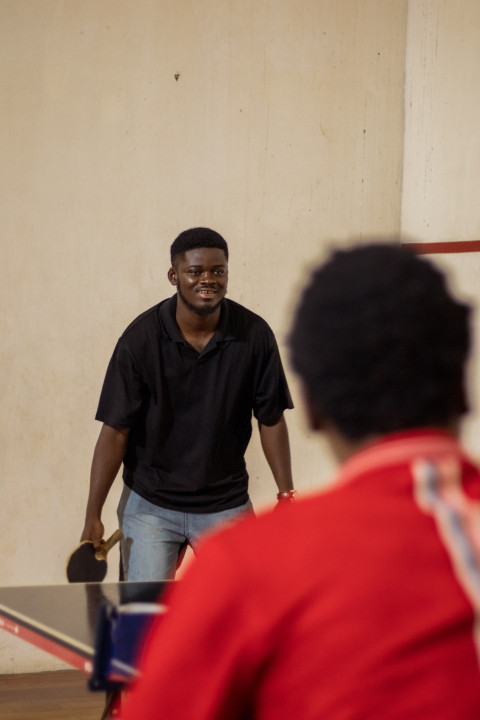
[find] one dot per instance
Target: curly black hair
(379, 342)
(199, 237)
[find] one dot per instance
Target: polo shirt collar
(401, 447)
(225, 329)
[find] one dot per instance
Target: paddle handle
(101, 553)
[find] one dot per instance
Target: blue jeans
(154, 537)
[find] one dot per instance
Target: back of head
(379, 342)
(199, 237)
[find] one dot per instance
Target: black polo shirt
(190, 413)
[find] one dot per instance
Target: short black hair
(199, 237)
(380, 343)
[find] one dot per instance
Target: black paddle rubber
(83, 566)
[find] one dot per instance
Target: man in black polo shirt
(176, 407)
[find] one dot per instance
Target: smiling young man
(176, 407)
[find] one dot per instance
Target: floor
(61, 695)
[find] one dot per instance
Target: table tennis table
(95, 627)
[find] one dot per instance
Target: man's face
(201, 279)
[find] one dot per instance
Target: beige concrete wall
(441, 178)
(283, 130)
(442, 119)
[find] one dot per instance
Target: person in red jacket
(362, 601)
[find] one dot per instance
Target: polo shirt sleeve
(272, 395)
(123, 389)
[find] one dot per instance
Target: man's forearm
(276, 448)
(107, 459)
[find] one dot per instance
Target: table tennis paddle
(86, 564)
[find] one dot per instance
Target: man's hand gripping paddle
(86, 564)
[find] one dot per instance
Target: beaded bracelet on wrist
(286, 494)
